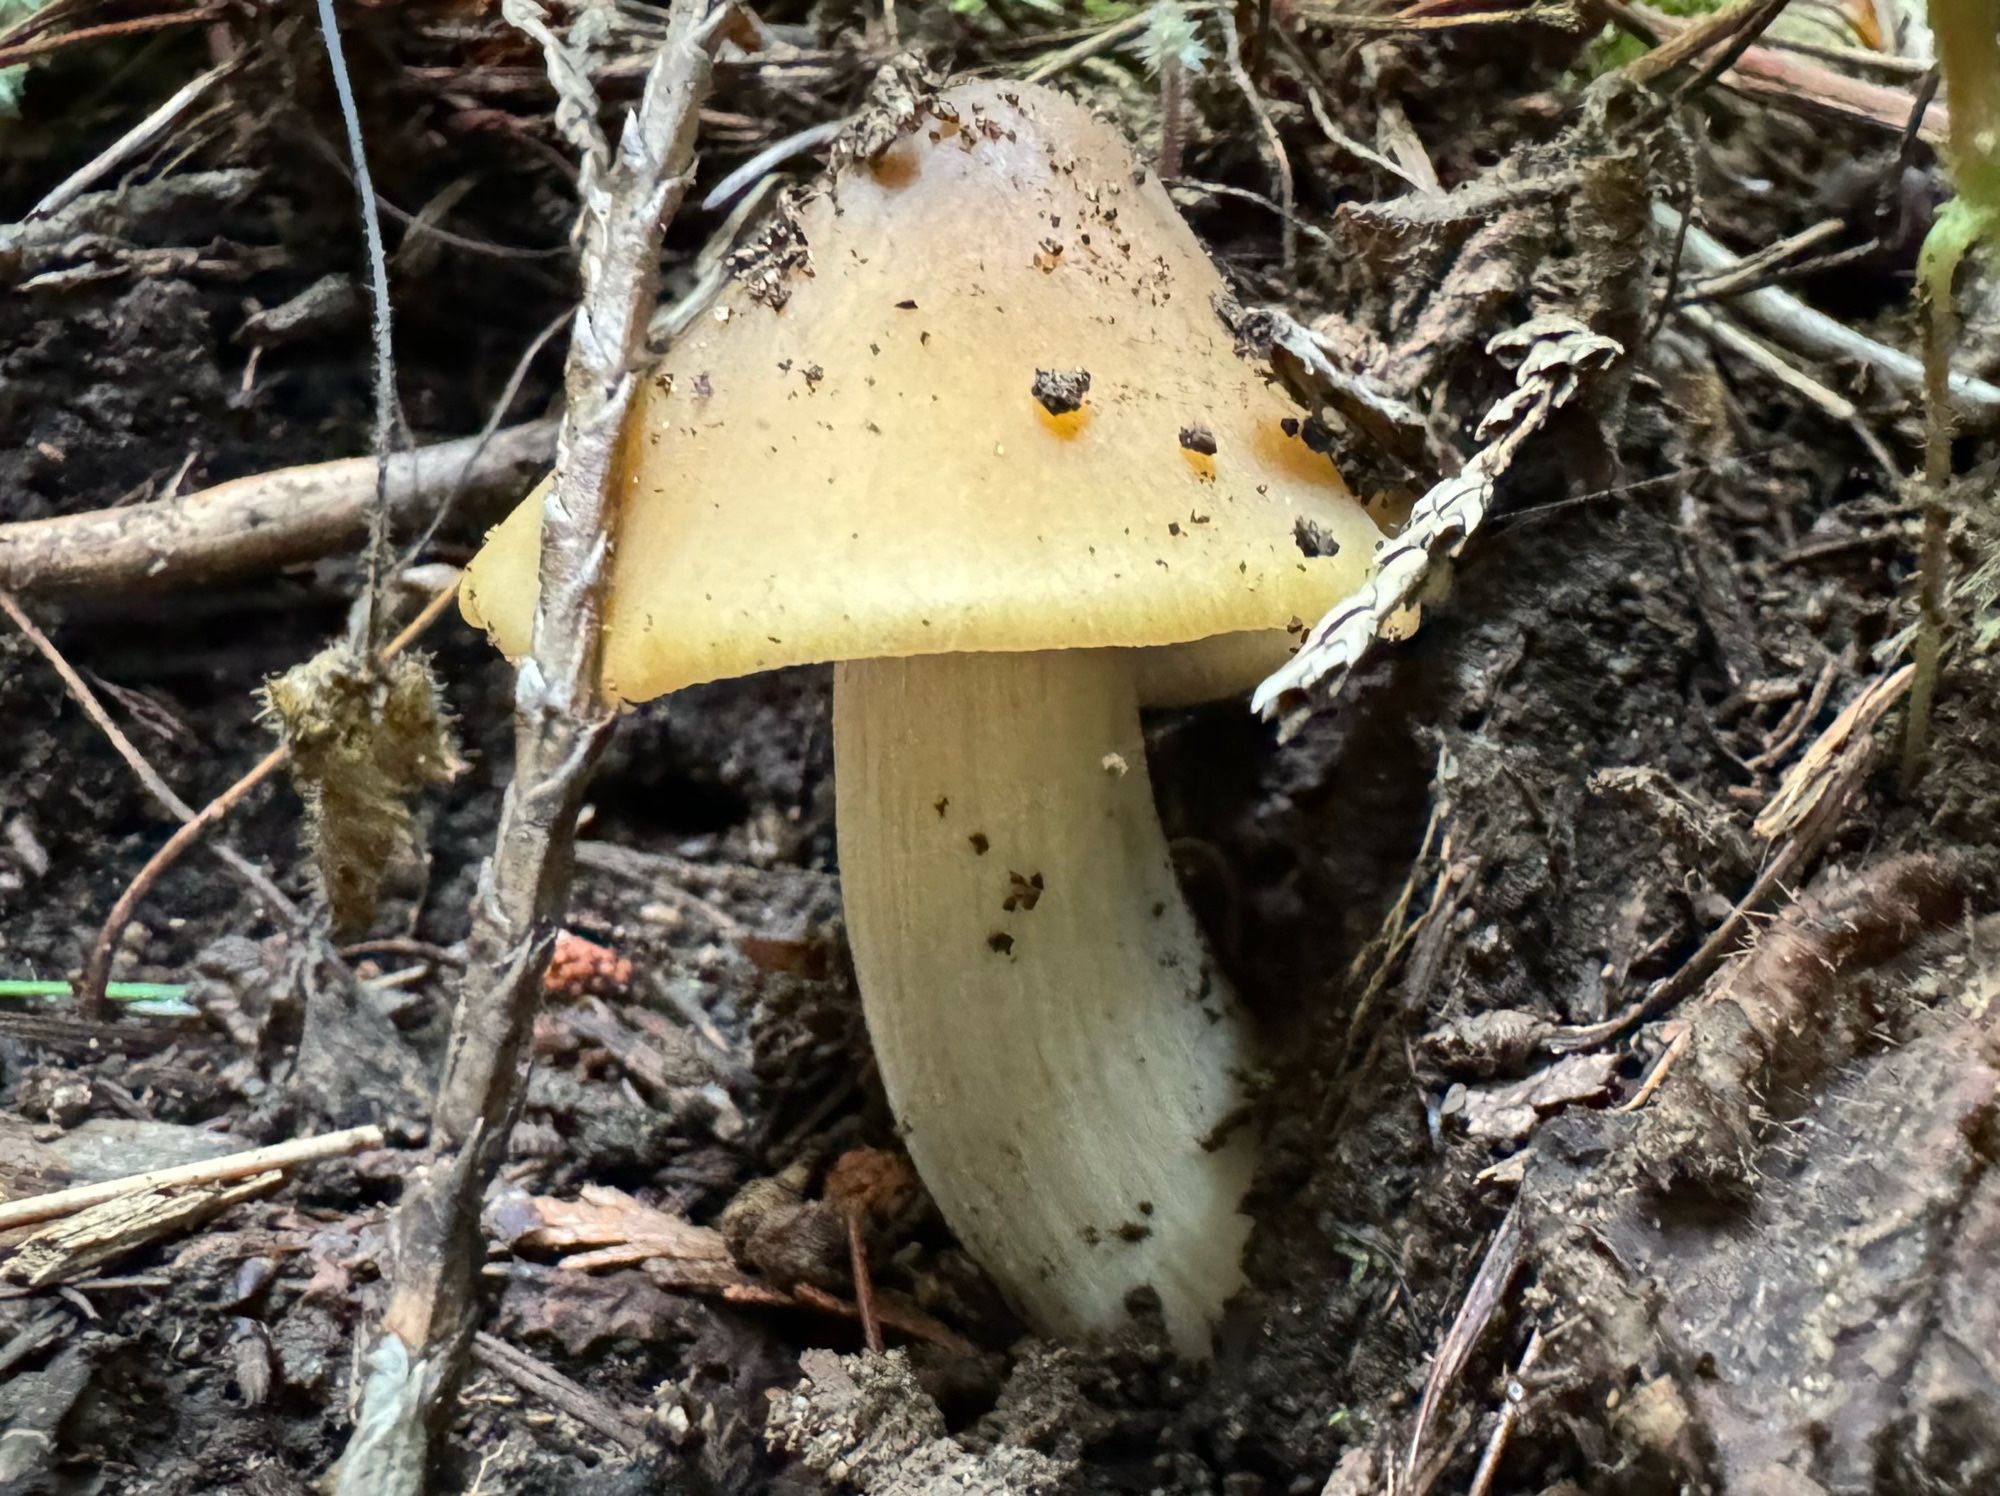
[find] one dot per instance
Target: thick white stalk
(1059, 1053)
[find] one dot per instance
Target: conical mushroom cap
(861, 450)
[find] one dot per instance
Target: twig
(864, 1282)
(1173, 117)
(1510, 1415)
(1312, 231)
(1815, 336)
(1806, 810)
(625, 1429)
(1752, 271)
(1316, 90)
(30, 50)
(501, 405)
(130, 144)
(770, 158)
(1098, 41)
(376, 556)
(1732, 29)
(1482, 1298)
(299, 1151)
(91, 990)
(97, 969)
(1340, 18)
(894, 1311)
(1726, 334)
(562, 723)
(1274, 143)
(254, 524)
(1770, 75)
(40, 1331)
(1855, 57)
(86, 698)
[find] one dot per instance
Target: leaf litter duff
(1059, 1055)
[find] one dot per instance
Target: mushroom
(972, 428)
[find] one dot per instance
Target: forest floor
(1637, 1069)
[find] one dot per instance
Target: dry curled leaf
(1508, 1113)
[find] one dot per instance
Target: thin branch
(1792, 324)
(1089, 46)
(1510, 1417)
(299, 1151)
(625, 1428)
(561, 724)
(385, 356)
(1768, 74)
(1482, 1300)
(254, 524)
(130, 144)
(768, 160)
(487, 434)
(1274, 143)
(28, 51)
(1727, 335)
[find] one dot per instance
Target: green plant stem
(1968, 49)
(1959, 225)
(118, 992)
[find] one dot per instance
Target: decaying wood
(38, 1208)
(1762, 1021)
(74, 1245)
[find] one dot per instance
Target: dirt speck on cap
(1061, 391)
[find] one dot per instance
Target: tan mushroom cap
(847, 457)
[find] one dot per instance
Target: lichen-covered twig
(1551, 353)
(561, 724)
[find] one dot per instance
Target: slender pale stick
(37, 1208)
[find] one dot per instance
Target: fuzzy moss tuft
(364, 740)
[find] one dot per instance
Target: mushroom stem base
(1060, 1055)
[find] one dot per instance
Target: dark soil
(1489, 1221)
